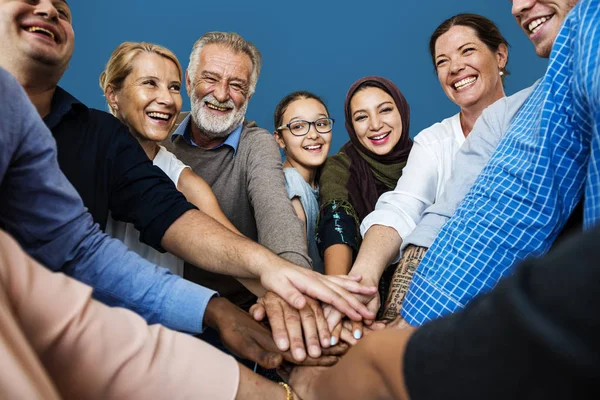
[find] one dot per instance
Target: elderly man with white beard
(239, 160)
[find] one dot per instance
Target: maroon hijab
(363, 187)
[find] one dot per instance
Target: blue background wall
(321, 46)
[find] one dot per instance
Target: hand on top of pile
(291, 283)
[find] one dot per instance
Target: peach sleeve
(92, 351)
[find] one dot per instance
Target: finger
(289, 292)
(278, 328)
(254, 347)
(311, 335)
(377, 326)
(334, 318)
(317, 287)
(357, 329)
(261, 339)
(267, 359)
(322, 328)
(351, 285)
(345, 302)
(323, 361)
(335, 334)
(258, 312)
(294, 331)
(338, 350)
(346, 334)
(355, 278)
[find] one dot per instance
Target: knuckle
(292, 317)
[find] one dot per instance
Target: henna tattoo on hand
(401, 281)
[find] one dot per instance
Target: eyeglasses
(301, 128)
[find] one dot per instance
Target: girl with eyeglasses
(303, 130)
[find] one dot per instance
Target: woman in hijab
(377, 120)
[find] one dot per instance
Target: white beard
(215, 126)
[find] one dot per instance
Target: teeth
(315, 147)
(38, 29)
(464, 82)
(535, 25)
(214, 107)
(379, 137)
(159, 115)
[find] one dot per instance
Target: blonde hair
(120, 63)
(234, 42)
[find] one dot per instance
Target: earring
(501, 73)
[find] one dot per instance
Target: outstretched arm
(199, 193)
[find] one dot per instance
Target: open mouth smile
(41, 31)
(159, 116)
(537, 23)
(313, 147)
(380, 137)
(464, 83)
(217, 108)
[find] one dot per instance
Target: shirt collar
(185, 131)
(62, 103)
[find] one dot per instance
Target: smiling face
(541, 21)
(468, 71)
(149, 100)
(376, 120)
(308, 151)
(219, 91)
(36, 33)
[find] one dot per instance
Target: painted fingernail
(333, 340)
(357, 334)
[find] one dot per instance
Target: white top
(127, 233)
(428, 168)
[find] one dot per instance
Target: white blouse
(423, 178)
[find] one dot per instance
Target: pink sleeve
(95, 352)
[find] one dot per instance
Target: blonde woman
(142, 83)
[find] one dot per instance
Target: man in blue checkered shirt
(546, 162)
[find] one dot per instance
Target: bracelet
(289, 395)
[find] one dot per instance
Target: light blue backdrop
(320, 46)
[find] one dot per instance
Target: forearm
(124, 279)
(372, 369)
(93, 351)
(379, 249)
(205, 243)
(254, 387)
(338, 259)
(401, 280)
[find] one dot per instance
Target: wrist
(214, 310)
(369, 276)
(289, 393)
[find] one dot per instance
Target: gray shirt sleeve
(470, 160)
(279, 228)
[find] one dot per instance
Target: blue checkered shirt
(547, 161)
